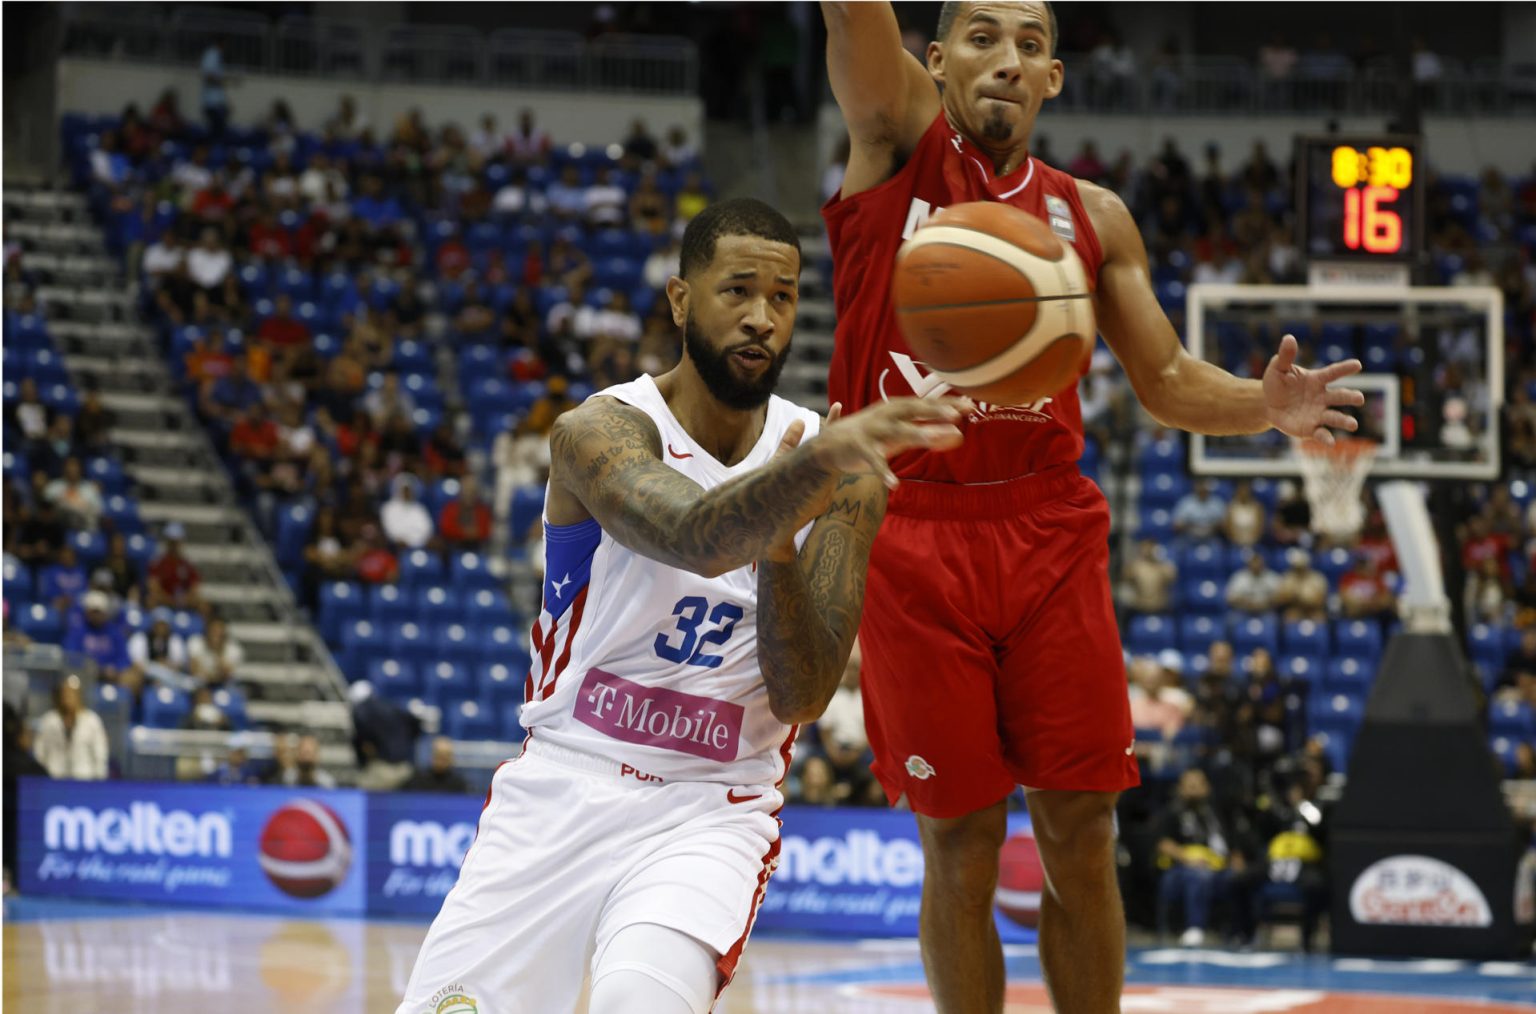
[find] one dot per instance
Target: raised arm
(887, 96)
(1188, 393)
(808, 608)
(605, 463)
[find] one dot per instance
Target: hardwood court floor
(96, 959)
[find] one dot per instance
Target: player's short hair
(739, 216)
(950, 10)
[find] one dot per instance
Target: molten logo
(859, 857)
(428, 843)
(141, 829)
(656, 716)
(305, 849)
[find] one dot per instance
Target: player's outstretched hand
(1299, 403)
(864, 441)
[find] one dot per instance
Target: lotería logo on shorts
(453, 1000)
(919, 768)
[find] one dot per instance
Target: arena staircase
(289, 679)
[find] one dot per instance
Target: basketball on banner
(305, 849)
(1020, 879)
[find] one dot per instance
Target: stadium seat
(527, 508)
(391, 606)
(340, 603)
(361, 641)
(1197, 632)
(503, 641)
(419, 567)
(1336, 713)
(1149, 635)
(446, 684)
(1203, 559)
(512, 722)
(1351, 676)
(232, 702)
(1487, 645)
(497, 682)
(1336, 748)
(293, 524)
(487, 606)
(1156, 524)
(470, 571)
(395, 679)
(18, 580)
(41, 623)
(165, 707)
(1256, 632)
(1163, 489)
(409, 643)
(456, 642)
(436, 605)
(1305, 637)
(1357, 637)
(467, 720)
(1514, 719)
(1333, 564)
(1203, 596)
(1306, 669)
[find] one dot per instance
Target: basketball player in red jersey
(991, 653)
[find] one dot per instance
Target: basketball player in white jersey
(690, 620)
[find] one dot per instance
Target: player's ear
(936, 61)
(677, 296)
(1056, 80)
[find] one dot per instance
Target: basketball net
(1334, 477)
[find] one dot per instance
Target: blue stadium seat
(468, 720)
(457, 642)
(1203, 595)
(1148, 635)
(501, 681)
(1256, 632)
(391, 606)
(1487, 645)
(470, 571)
(1350, 676)
(18, 581)
(165, 707)
(394, 679)
(527, 508)
(110, 701)
(142, 549)
(437, 605)
(90, 547)
(232, 703)
(512, 722)
(293, 524)
(1361, 638)
(446, 683)
(1156, 524)
(361, 642)
(1203, 559)
(487, 606)
(41, 623)
(1336, 746)
(187, 623)
(123, 513)
(1333, 713)
(1512, 718)
(419, 567)
(1333, 564)
(340, 603)
(503, 642)
(1197, 632)
(1308, 669)
(1305, 637)
(409, 642)
(1163, 489)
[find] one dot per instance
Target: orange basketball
(994, 303)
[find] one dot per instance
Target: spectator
(118, 573)
(100, 638)
(650, 209)
(78, 498)
(1292, 523)
(1481, 543)
(347, 123)
(1253, 589)
(1486, 595)
(160, 647)
(465, 521)
(236, 768)
(41, 535)
(1158, 700)
(1245, 521)
(486, 140)
(528, 143)
(476, 317)
(1087, 165)
(209, 360)
(405, 520)
(663, 263)
(374, 208)
(215, 656)
(639, 147)
(18, 763)
(573, 308)
(224, 400)
(211, 268)
(321, 182)
(691, 199)
(306, 765)
(1277, 59)
(1149, 579)
(442, 455)
(29, 416)
(440, 776)
(71, 739)
(1195, 850)
(406, 309)
(840, 742)
(1294, 860)
(283, 330)
(1302, 593)
(63, 581)
(567, 198)
(1218, 698)
(677, 151)
(1363, 594)
(516, 197)
(93, 426)
(384, 737)
(1200, 514)
(566, 264)
(215, 97)
(173, 579)
(49, 455)
(388, 399)
(194, 174)
(376, 562)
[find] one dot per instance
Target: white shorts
(571, 849)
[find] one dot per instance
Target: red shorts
(991, 653)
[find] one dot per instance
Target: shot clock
(1360, 198)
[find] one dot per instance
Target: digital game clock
(1360, 198)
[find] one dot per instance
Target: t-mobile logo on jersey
(655, 716)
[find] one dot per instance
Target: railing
(1236, 86)
(439, 54)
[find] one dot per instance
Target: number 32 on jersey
(690, 647)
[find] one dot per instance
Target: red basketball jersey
(872, 360)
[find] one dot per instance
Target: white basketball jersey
(650, 666)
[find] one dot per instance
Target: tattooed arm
(808, 607)
(605, 463)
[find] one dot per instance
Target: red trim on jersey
(483, 807)
(726, 966)
(577, 608)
